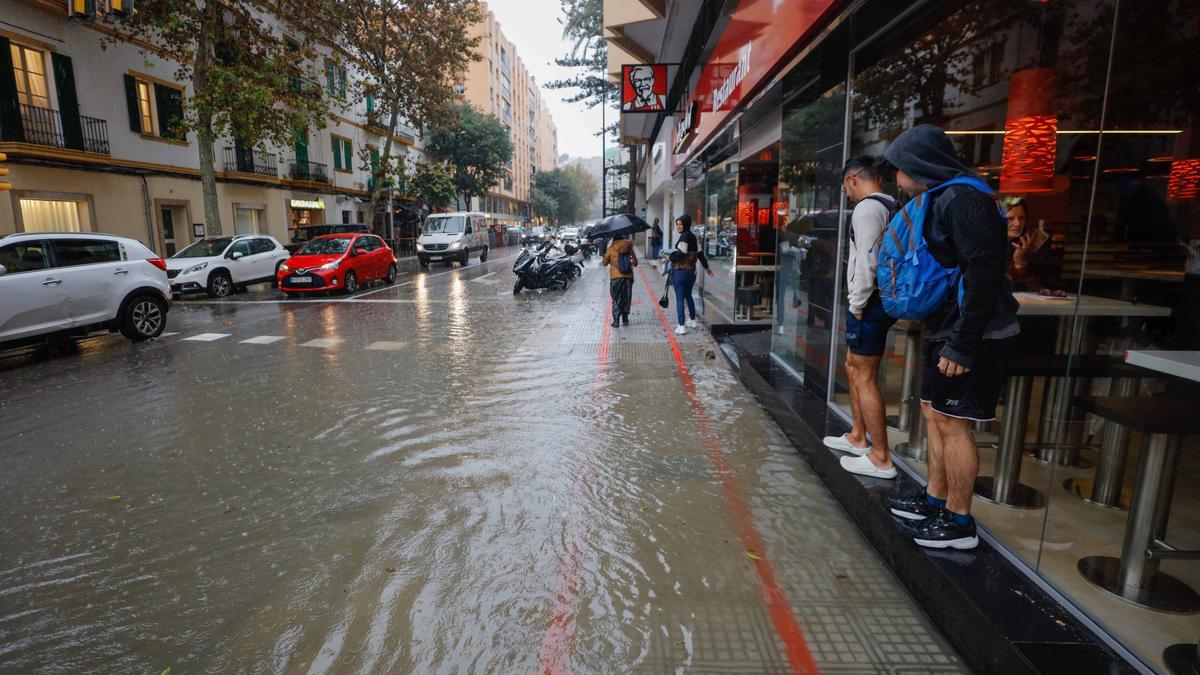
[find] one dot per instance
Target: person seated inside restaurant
(1035, 260)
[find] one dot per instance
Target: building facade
(1084, 115)
(92, 149)
(499, 85)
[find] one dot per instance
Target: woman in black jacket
(683, 271)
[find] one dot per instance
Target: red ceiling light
(1032, 133)
(1184, 183)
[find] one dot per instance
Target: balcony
(43, 126)
(309, 171)
(251, 161)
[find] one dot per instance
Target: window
(75, 252)
(246, 221)
(155, 108)
(345, 217)
(29, 67)
(26, 256)
(261, 245)
(335, 79)
(145, 107)
(361, 217)
(53, 215)
(242, 246)
(342, 151)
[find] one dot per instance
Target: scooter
(546, 267)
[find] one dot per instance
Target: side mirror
(3, 270)
(360, 251)
(235, 255)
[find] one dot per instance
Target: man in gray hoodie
(966, 346)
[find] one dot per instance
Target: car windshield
(205, 248)
(331, 246)
(445, 225)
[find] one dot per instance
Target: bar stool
(1136, 576)
(910, 380)
(1004, 486)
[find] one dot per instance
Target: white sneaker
(692, 323)
(681, 330)
(842, 444)
(863, 466)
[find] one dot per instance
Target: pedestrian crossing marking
(322, 343)
(386, 346)
(207, 337)
(263, 340)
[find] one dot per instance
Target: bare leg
(870, 411)
(936, 487)
(960, 462)
(858, 429)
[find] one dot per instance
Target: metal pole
(391, 227)
(603, 159)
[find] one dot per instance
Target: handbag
(665, 301)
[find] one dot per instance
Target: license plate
(435, 257)
(299, 280)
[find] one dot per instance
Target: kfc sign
(644, 87)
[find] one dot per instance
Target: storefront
(304, 212)
(1085, 119)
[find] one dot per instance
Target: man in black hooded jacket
(966, 346)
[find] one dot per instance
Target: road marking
(799, 657)
(480, 280)
(430, 276)
(386, 346)
(263, 339)
(163, 335)
(207, 337)
(322, 343)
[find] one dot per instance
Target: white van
(447, 237)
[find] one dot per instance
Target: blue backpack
(624, 263)
(912, 284)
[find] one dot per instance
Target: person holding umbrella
(620, 259)
(683, 272)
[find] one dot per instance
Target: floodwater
(432, 477)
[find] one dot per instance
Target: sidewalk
(745, 561)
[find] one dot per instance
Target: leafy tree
(476, 146)
(564, 195)
(583, 26)
(248, 79)
(544, 205)
(432, 183)
(410, 53)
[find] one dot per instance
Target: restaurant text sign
(306, 204)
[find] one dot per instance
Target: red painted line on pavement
(559, 639)
(799, 657)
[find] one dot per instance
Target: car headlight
(421, 248)
(330, 265)
(284, 268)
(455, 246)
(196, 268)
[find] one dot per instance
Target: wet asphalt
(435, 476)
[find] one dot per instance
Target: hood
(306, 261)
(926, 155)
(440, 237)
(185, 263)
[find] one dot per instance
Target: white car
(569, 235)
(220, 265)
(71, 283)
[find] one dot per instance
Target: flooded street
(431, 477)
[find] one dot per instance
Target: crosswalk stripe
(387, 346)
(323, 343)
(263, 340)
(207, 337)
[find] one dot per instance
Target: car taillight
(158, 262)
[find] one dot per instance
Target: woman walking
(621, 260)
(683, 272)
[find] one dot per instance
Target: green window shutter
(337, 153)
(370, 104)
(342, 82)
(374, 161)
(68, 101)
(302, 146)
(11, 126)
(330, 81)
(347, 162)
(169, 103)
(131, 102)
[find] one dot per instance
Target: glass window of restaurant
(1084, 117)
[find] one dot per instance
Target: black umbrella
(612, 226)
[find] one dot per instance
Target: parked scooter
(546, 267)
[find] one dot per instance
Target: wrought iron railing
(310, 171)
(44, 126)
(251, 161)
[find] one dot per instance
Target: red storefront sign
(760, 36)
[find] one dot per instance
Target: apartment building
(499, 85)
(91, 148)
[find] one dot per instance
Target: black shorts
(868, 337)
(972, 396)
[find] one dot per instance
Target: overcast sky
(533, 27)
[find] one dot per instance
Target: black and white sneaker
(912, 506)
(940, 531)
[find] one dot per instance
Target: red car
(337, 262)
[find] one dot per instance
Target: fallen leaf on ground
(113, 498)
(752, 554)
(390, 570)
(230, 509)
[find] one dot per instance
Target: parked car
(71, 284)
(569, 235)
(302, 235)
(453, 237)
(221, 265)
(338, 262)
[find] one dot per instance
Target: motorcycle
(547, 267)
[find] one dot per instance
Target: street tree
(565, 195)
(411, 53)
(249, 79)
(544, 205)
(476, 146)
(432, 183)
